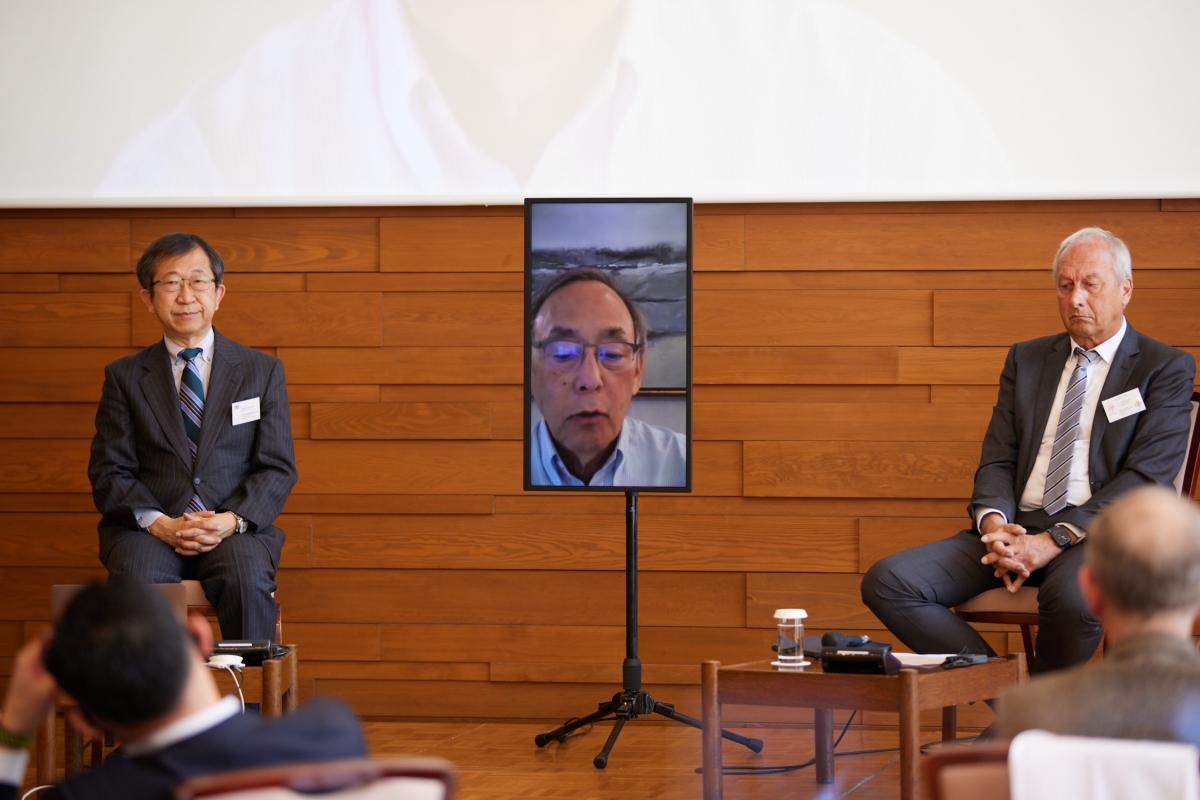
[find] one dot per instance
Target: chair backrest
(62, 594)
(967, 773)
(1187, 479)
(360, 779)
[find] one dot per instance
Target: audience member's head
(1143, 555)
(122, 652)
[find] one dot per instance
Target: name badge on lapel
(247, 411)
(1124, 405)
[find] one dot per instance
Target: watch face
(1060, 536)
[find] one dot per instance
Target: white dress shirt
(645, 455)
(1079, 487)
(146, 516)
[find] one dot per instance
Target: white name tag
(1124, 405)
(246, 411)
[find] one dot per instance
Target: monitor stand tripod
(632, 700)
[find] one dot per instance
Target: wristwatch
(1061, 536)
(242, 524)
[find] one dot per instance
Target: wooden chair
(999, 606)
(362, 779)
(967, 773)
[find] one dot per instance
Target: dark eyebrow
(559, 330)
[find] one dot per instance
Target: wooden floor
(652, 760)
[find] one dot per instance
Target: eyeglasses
(564, 355)
(199, 285)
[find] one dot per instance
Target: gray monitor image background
(644, 246)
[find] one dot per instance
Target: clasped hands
(194, 533)
(1014, 553)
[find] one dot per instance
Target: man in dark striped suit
(193, 458)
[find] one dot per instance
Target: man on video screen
(588, 357)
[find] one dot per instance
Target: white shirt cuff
(12, 765)
(983, 512)
(1075, 529)
(145, 516)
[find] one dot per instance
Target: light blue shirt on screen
(646, 455)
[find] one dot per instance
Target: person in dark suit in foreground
(138, 673)
(1081, 418)
(193, 459)
(1141, 576)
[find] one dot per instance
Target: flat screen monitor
(608, 345)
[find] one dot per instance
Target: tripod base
(625, 706)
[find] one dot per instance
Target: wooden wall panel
(452, 244)
(316, 244)
(844, 374)
(981, 319)
(812, 318)
(449, 319)
(64, 320)
(258, 319)
(64, 245)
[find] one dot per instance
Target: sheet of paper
(922, 659)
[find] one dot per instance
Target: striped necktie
(191, 400)
(1058, 474)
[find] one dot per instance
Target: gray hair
(1145, 552)
(598, 275)
(1122, 262)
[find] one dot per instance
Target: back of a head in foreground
(121, 652)
(1145, 552)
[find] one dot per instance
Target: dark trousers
(911, 592)
(237, 575)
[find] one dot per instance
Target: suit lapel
(158, 388)
(1118, 375)
(1047, 387)
(223, 385)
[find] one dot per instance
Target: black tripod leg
(601, 760)
(543, 739)
(668, 710)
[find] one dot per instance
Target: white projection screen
(348, 102)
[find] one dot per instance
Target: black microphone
(839, 639)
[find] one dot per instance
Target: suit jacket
(1140, 449)
(1146, 687)
(141, 459)
(321, 730)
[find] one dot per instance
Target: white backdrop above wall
(452, 101)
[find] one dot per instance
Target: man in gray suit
(1081, 418)
(193, 459)
(1141, 576)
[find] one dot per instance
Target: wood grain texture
(964, 393)
(583, 542)
(745, 395)
(296, 319)
(767, 318)
(538, 597)
(41, 465)
(64, 320)
(440, 365)
(313, 244)
(335, 642)
(301, 420)
(859, 469)
(796, 365)
(417, 282)
(952, 365)
(32, 282)
(453, 319)
(64, 245)
(609, 673)
(414, 467)
(398, 670)
(452, 244)
(719, 243)
(47, 420)
(25, 591)
(878, 422)
(389, 504)
(832, 601)
(55, 374)
(47, 501)
(990, 318)
(452, 393)
(401, 421)
(957, 241)
(49, 540)
(882, 536)
(298, 544)
(334, 393)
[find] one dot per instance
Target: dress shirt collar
(554, 465)
(206, 346)
(1108, 348)
(185, 728)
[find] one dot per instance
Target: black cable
(581, 732)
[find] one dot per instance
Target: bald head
(1145, 552)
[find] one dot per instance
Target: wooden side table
(909, 692)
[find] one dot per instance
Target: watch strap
(1061, 536)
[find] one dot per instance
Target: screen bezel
(526, 442)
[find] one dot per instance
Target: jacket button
(196, 481)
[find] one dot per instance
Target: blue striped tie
(191, 400)
(1058, 474)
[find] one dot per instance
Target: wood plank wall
(846, 360)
